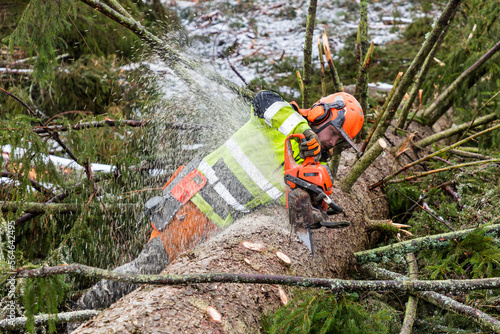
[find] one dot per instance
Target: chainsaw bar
(299, 183)
(301, 216)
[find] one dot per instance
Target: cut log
(158, 309)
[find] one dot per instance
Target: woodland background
(81, 87)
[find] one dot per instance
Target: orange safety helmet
(345, 111)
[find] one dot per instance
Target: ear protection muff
(318, 114)
(321, 111)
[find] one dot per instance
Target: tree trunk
(195, 308)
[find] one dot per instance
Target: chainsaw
(308, 187)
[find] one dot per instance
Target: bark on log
(184, 308)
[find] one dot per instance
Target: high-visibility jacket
(247, 171)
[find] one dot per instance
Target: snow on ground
(267, 31)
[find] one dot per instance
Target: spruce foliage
(43, 295)
(324, 312)
(476, 256)
(39, 32)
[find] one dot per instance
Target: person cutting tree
(244, 173)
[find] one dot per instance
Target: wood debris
(283, 257)
(253, 246)
(214, 314)
(283, 296)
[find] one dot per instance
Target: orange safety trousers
(186, 229)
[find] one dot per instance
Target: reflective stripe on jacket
(247, 171)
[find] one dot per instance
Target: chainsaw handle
(289, 159)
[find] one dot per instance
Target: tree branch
(444, 302)
(418, 175)
(171, 56)
(455, 130)
(38, 208)
(361, 165)
(88, 125)
(408, 78)
(430, 113)
(361, 91)
(42, 319)
(32, 113)
(307, 65)
(337, 85)
(336, 285)
(411, 306)
(422, 74)
(435, 241)
(472, 155)
(427, 157)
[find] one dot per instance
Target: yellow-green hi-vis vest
(247, 171)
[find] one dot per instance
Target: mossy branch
(444, 302)
(307, 66)
(335, 285)
(88, 125)
(455, 130)
(43, 319)
(435, 241)
(411, 306)
(38, 208)
(431, 113)
(361, 165)
(466, 154)
(379, 118)
(422, 74)
(361, 91)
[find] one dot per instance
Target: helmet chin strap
(338, 123)
(349, 140)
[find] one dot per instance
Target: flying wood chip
(214, 314)
(253, 246)
(283, 257)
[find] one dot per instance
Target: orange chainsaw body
(309, 171)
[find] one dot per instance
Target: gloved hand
(311, 146)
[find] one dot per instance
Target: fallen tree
(237, 307)
(164, 309)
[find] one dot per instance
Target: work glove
(310, 147)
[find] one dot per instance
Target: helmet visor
(344, 135)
